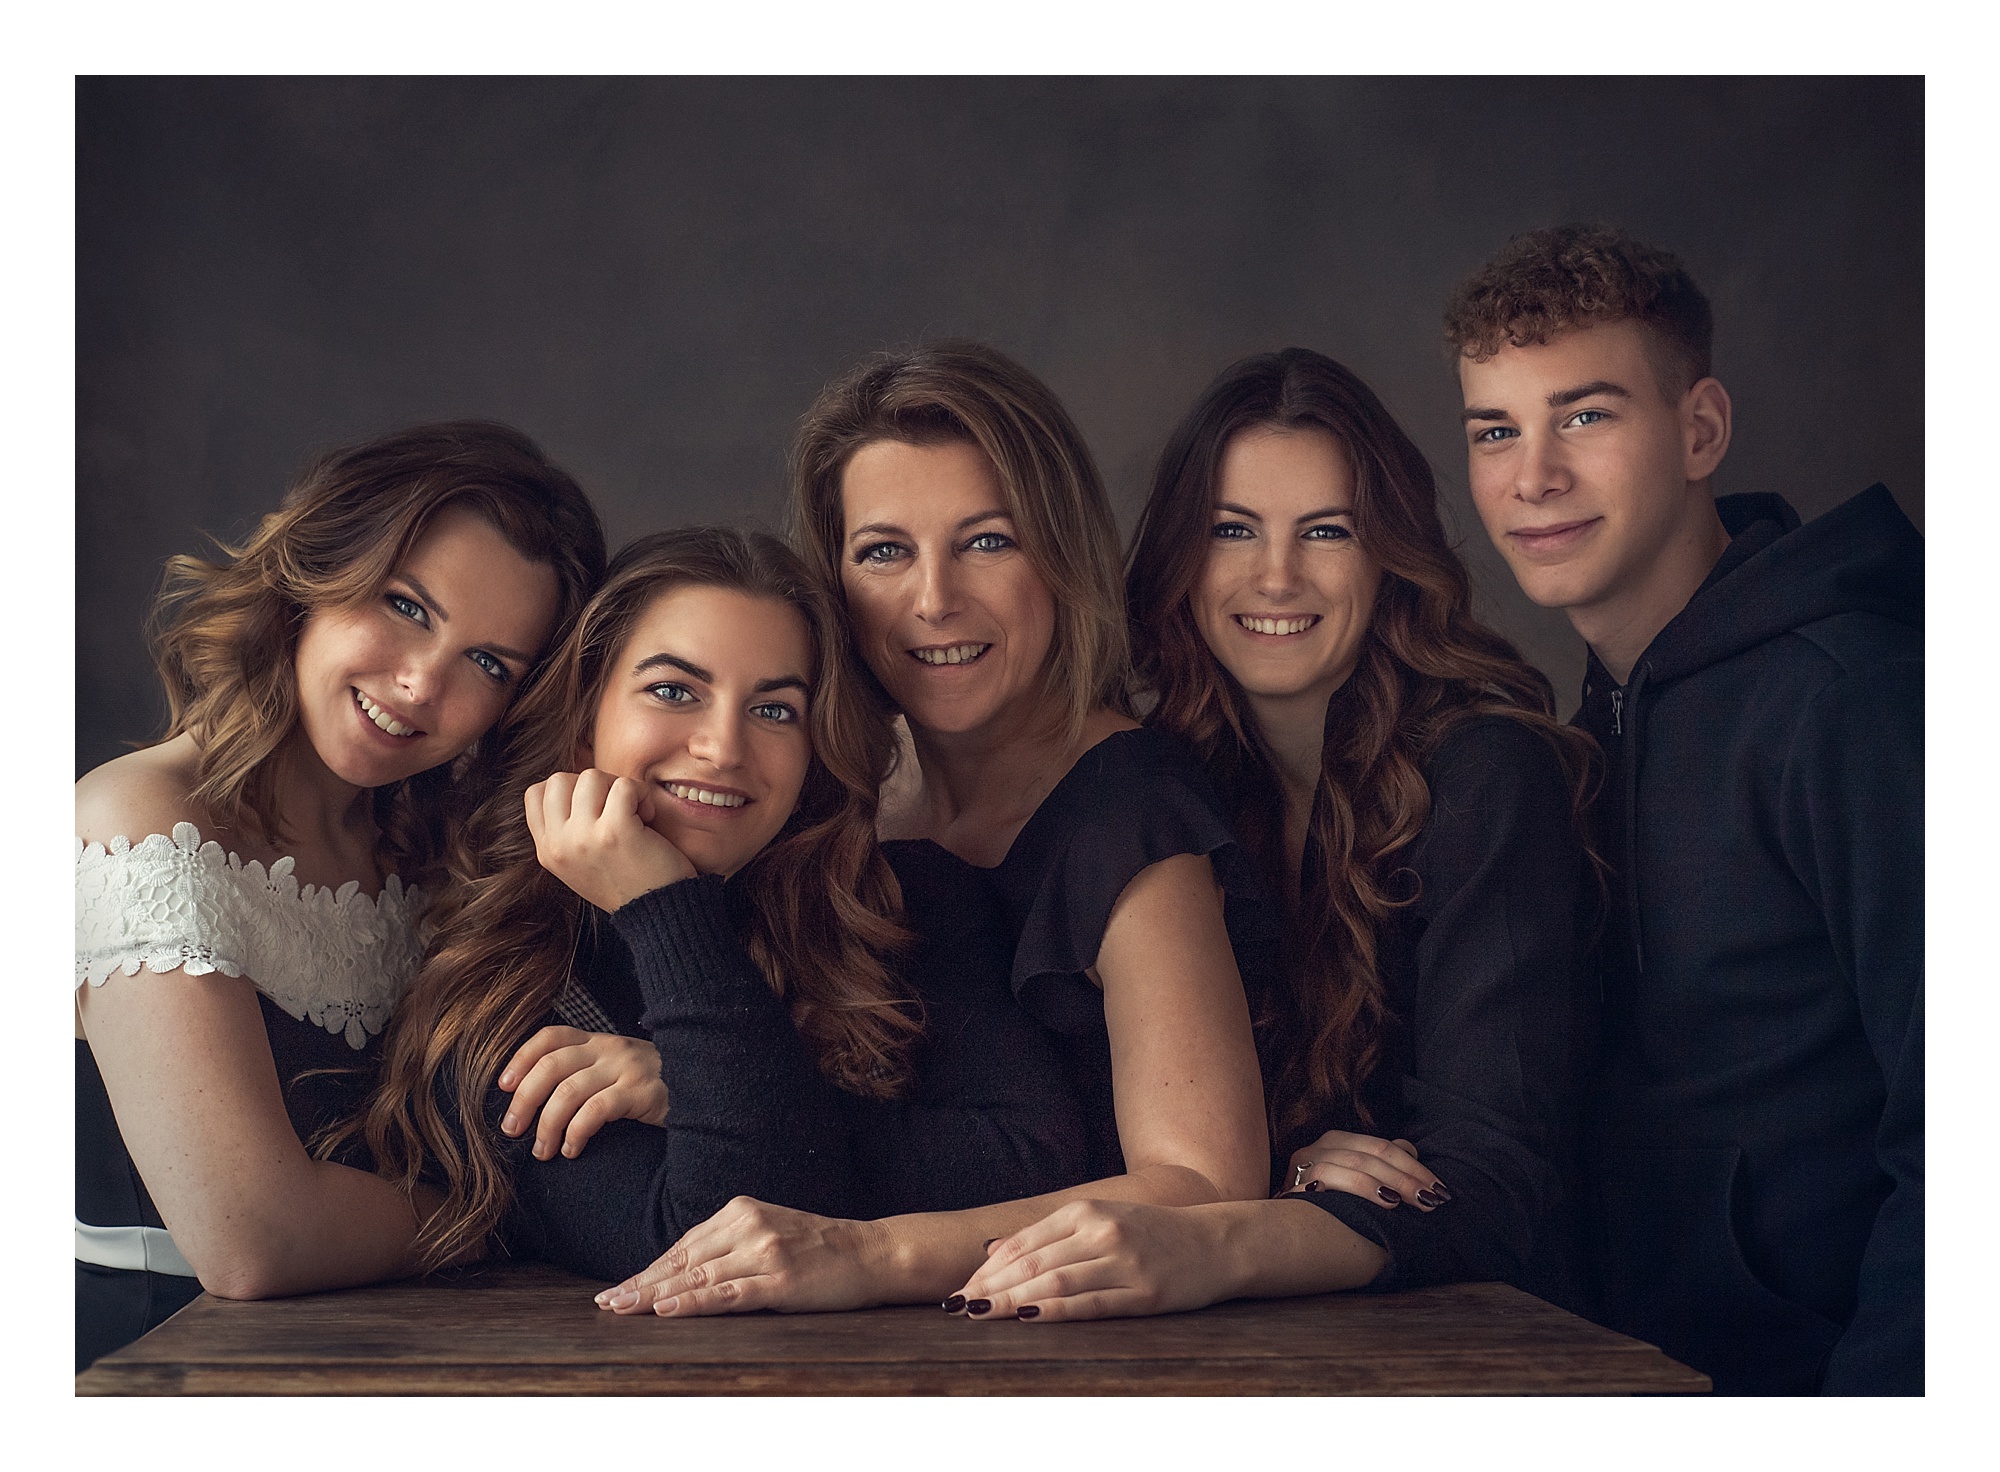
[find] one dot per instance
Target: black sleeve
(1497, 1009)
(749, 1113)
(1853, 827)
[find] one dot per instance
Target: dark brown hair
(1548, 282)
(1424, 665)
(819, 906)
(225, 633)
(969, 393)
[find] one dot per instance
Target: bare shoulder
(139, 793)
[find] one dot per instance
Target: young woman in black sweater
(1398, 772)
(685, 852)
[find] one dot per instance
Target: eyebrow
(1560, 399)
(881, 528)
(776, 682)
(429, 600)
(1320, 515)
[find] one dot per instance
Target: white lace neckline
(172, 902)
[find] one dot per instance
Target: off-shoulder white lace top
(333, 957)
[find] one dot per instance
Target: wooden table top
(525, 1329)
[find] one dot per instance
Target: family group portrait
(1000, 735)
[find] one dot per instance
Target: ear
(1705, 415)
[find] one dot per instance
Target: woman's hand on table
(580, 1081)
(591, 831)
(753, 1255)
(1102, 1260)
(1386, 1172)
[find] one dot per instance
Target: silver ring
(1299, 1177)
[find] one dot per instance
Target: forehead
(890, 481)
(733, 635)
(1517, 377)
(488, 587)
(1303, 468)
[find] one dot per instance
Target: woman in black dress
(944, 494)
(1398, 772)
(684, 851)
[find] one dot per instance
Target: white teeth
(956, 654)
(381, 717)
(1277, 625)
(703, 794)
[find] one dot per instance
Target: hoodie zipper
(1631, 801)
(1617, 712)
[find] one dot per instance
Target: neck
(1294, 730)
(978, 788)
(1619, 627)
(316, 808)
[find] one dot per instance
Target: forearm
(324, 1226)
(1283, 1248)
(922, 1256)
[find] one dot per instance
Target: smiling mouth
(1539, 534)
(714, 797)
(950, 653)
(1278, 626)
(383, 719)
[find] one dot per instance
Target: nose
(422, 675)
(937, 587)
(1278, 569)
(718, 739)
(1541, 469)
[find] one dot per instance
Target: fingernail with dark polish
(953, 1304)
(1437, 1188)
(1315, 1186)
(1424, 1198)
(1027, 1311)
(1390, 1194)
(979, 1306)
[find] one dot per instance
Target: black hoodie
(1757, 1136)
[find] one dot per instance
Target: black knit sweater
(989, 1117)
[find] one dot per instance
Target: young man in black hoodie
(1756, 1141)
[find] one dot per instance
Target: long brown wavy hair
(225, 633)
(966, 392)
(819, 907)
(1425, 664)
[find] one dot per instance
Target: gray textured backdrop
(653, 277)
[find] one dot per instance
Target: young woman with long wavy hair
(944, 496)
(249, 889)
(1398, 772)
(684, 849)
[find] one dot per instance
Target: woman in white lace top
(249, 890)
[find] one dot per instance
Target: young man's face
(1579, 463)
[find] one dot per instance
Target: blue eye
(1585, 417)
(775, 711)
(671, 691)
(409, 608)
(491, 665)
(1326, 531)
(989, 542)
(1231, 531)
(1493, 434)
(881, 552)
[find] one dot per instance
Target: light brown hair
(961, 392)
(819, 907)
(1549, 282)
(225, 633)
(1425, 665)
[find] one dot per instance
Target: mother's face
(948, 611)
(1286, 593)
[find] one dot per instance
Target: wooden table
(524, 1329)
